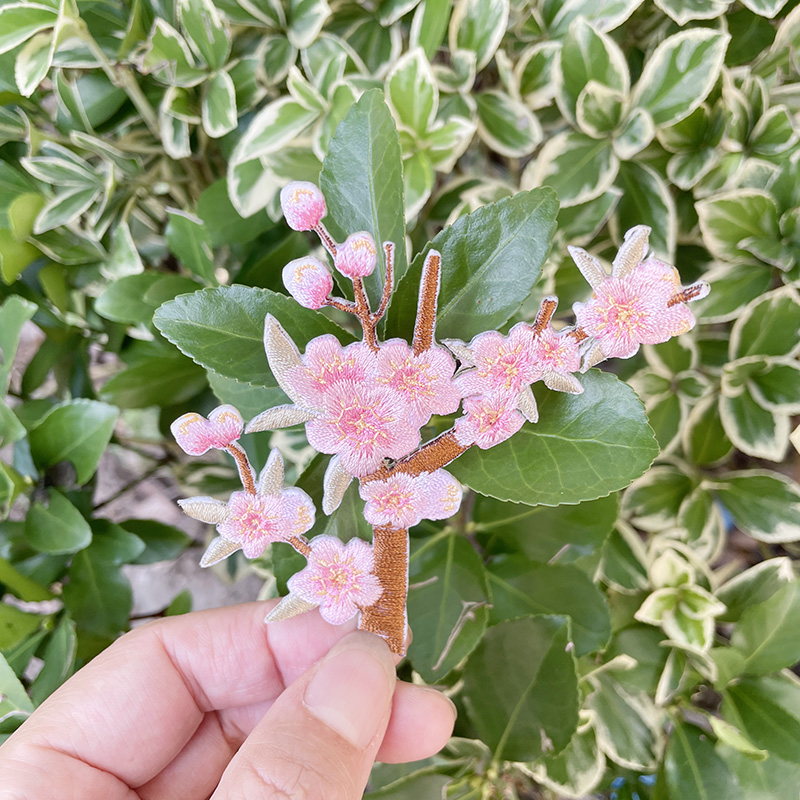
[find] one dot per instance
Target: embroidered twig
(424, 327)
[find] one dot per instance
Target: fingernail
(352, 689)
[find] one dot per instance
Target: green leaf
(599, 109)
(168, 58)
(135, 298)
(20, 21)
(250, 400)
(646, 200)
(606, 15)
(98, 596)
(16, 626)
(769, 326)
(223, 329)
(124, 258)
(430, 24)
(305, 18)
(683, 11)
(20, 585)
(491, 260)
(584, 446)
(65, 208)
(155, 381)
(765, 8)
(274, 127)
(447, 604)
(766, 634)
(180, 604)
(767, 711)
(219, 105)
(520, 686)
(577, 166)
(362, 180)
(161, 542)
(777, 386)
(521, 587)
(59, 661)
(773, 779)
(764, 504)
(754, 586)
(478, 25)
(692, 768)
(774, 133)
(78, 432)
(588, 55)
(14, 256)
(14, 313)
(727, 220)
(190, 242)
(58, 527)
(577, 770)
(412, 93)
(222, 222)
(506, 124)
(418, 181)
(207, 34)
(733, 286)
(626, 721)
(11, 690)
(542, 532)
(704, 440)
(653, 501)
(753, 429)
(680, 73)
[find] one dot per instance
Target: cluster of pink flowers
(366, 403)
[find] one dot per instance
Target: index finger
(133, 709)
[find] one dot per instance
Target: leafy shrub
(631, 641)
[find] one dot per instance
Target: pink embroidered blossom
(423, 382)
(303, 205)
(357, 257)
(504, 365)
(487, 421)
(556, 352)
(443, 495)
(308, 281)
(339, 578)
(647, 306)
(256, 520)
(325, 363)
(197, 435)
(363, 424)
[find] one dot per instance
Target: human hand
(216, 703)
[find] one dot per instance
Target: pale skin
(218, 704)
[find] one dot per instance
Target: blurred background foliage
(142, 148)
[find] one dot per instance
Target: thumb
(320, 738)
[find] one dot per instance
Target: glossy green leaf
(521, 587)
(430, 24)
(78, 432)
(490, 263)
(16, 626)
(478, 25)
(11, 689)
(20, 585)
(765, 8)
(57, 527)
(544, 533)
(250, 400)
(59, 661)
(134, 298)
(190, 242)
(769, 326)
(14, 313)
(767, 711)
(578, 167)
(520, 686)
(223, 329)
(362, 180)
(692, 768)
(583, 447)
(764, 504)
(766, 634)
(683, 11)
(161, 542)
(754, 586)
(159, 380)
(680, 73)
(506, 124)
(447, 604)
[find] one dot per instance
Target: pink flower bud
(357, 257)
(303, 205)
(196, 435)
(308, 281)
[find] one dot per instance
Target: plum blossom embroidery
(403, 500)
(641, 302)
(365, 404)
(488, 421)
(197, 435)
(423, 381)
(363, 424)
(339, 578)
(308, 281)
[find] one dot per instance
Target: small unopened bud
(308, 281)
(303, 205)
(357, 257)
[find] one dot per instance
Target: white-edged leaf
(219, 105)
